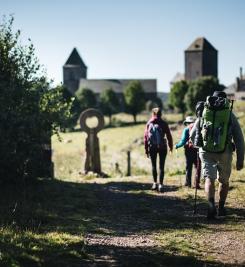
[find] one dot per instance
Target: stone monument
(92, 161)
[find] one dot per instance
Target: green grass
(69, 155)
(44, 224)
(183, 242)
(26, 248)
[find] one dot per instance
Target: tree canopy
(86, 98)
(156, 103)
(177, 95)
(109, 103)
(199, 89)
(134, 98)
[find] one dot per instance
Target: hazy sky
(131, 38)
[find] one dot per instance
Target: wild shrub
(30, 110)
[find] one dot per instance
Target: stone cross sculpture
(92, 161)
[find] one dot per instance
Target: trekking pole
(195, 200)
(195, 203)
(177, 156)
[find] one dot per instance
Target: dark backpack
(155, 136)
(189, 143)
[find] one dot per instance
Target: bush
(156, 103)
(134, 98)
(177, 95)
(199, 89)
(109, 103)
(86, 98)
(30, 111)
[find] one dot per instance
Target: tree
(177, 95)
(109, 103)
(30, 110)
(56, 108)
(75, 110)
(156, 103)
(199, 89)
(134, 98)
(86, 98)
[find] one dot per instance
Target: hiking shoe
(221, 211)
(160, 188)
(187, 184)
(154, 186)
(211, 213)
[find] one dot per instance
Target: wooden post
(129, 163)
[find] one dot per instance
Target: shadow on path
(136, 257)
(116, 209)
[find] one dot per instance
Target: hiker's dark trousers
(162, 157)
(191, 156)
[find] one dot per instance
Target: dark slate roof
(75, 59)
(118, 85)
(200, 44)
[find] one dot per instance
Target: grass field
(69, 155)
(78, 220)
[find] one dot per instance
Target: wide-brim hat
(189, 119)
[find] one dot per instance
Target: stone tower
(73, 70)
(201, 59)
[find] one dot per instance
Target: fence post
(129, 163)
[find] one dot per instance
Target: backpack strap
(230, 122)
(189, 143)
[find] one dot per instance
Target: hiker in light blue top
(184, 138)
(191, 153)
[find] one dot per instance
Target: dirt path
(137, 227)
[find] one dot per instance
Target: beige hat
(189, 119)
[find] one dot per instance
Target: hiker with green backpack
(217, 133)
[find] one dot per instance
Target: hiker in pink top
(156, 132)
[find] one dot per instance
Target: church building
(75, 77)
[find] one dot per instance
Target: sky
(131, 38)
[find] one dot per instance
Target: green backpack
(215, 124)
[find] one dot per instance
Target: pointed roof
(200, 44)
(75, 59)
